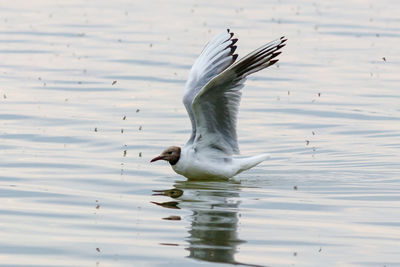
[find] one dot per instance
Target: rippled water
(76, 184)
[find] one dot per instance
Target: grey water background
(76, 185)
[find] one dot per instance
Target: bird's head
(171, 154)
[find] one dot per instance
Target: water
(76, 185)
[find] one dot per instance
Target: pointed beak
(157, 158)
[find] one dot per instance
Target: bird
(211, 97)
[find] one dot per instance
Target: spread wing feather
(216, 56)
(213, 91)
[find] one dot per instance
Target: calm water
(76, 185)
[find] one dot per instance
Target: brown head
(171, 154)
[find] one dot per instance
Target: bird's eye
(169, 152)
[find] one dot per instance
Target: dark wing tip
(280, 46)
(275, 54)
(283, 40)
(272, 62)
(233, 49)
(234, 57)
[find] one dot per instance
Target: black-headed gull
(212, 97)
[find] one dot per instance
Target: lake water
(76, 185)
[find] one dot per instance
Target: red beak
(157, 158)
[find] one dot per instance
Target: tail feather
(250, 162)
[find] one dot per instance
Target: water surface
(90, 92)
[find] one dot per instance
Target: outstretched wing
(215, 106)
(216, 56)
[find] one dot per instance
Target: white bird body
(212, 97)
(205, 166)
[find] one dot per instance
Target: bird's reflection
(213, 231)
(174, 193)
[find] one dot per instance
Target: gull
(211, 97)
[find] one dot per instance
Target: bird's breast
(201, 168)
